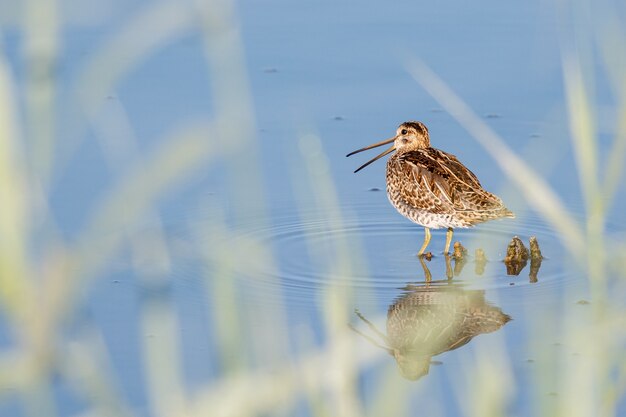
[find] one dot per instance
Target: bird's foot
(428, 255)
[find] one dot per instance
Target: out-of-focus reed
(42, 275)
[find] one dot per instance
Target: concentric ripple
(371, 249)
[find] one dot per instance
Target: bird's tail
(507, 213)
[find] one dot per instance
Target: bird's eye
(404, 131)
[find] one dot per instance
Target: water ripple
(372, 250)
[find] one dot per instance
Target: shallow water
(252, 282)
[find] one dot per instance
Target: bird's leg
(426, 241)
(449, 273)
(428, 277)
(448, 241)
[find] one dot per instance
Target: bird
(430, 319)
(431, 187)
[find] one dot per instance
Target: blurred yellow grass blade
(487, 385)
(177, 158)
(578, 78)
(609, 43)
(41, 28)
(259, 392)
(617, 155)
(162, 359)
(335, 300)
(144, 34)
(538, 193)
(16, 292)
(86, 365)
(582, 129)
(582, 123)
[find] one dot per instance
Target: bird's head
(409, 136)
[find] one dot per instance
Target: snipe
(432, 187)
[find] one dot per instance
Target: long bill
(375, 145)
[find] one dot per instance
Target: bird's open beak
(375, 145)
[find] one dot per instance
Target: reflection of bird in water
(431, 187)
(430, 319)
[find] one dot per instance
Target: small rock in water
(374, 189)
(535, 252)
(535, 259)
(492, 116)
(270, 70)
(339, 118)
(511, 283)
(516, 256)
(516, 251)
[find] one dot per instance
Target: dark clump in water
(535, 252)
(535, 259)
(516, 251)
(459, 250)
(459, 258)
(516, 256)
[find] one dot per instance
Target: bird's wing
(422, 183)
(445, 165)
(443, 177)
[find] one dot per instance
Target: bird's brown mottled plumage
(432, 187)
(431, 319)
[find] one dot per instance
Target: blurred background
(182, 235)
